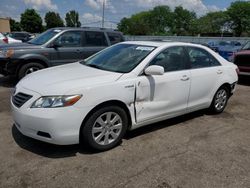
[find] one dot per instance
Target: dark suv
(55, 47)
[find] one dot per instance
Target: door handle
(184, 78)
(219, 72)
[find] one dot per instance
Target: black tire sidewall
(213, 108)
(87, 128)
(23, 69)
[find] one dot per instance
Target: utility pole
(103, 10)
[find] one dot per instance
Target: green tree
(72, 19)
(184, 21)
(31, 21)
(14, 25)
(161, 20)
(53, 19)
(213, 22)
(239, 15)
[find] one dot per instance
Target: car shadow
(55, 151)
(8, 81)
(45, 149)
(164, 124)
(244, 80)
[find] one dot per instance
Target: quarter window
(95, 38)
(171, 59)
(200, 58)
(70, 39)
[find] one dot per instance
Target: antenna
(103, 10)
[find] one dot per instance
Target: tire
(102, 134)
(220, 100)
(29, 68)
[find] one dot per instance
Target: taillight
(6, 40)
(237, 70)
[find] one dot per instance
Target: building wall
(4, 25)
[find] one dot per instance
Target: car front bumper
(60, 126)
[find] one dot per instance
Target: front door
(164, 95)
(69, 48)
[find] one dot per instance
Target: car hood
(17, 46)
(66, 79)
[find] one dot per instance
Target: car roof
(85, 29)
(162, 43)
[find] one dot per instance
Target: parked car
(126, 86)
(55, 47)
(7, 40)
(242, 60)
(23, 36)
(3, 39)
(225, 48)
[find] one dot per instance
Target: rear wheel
(29, 68)
(105, 128)
(220, 100)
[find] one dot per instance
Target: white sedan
(8, 40)
(126, 86)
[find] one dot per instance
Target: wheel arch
(32, 60)
(104, 104)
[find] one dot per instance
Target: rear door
(206, 73)
(115, 37)
(94, 41)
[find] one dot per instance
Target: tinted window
(70, 39)
(172, 59)
(115, 38)
(200, 58)
(95, 38)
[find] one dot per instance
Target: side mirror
(154, 70)
(55, 44)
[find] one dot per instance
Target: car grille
(20, 99)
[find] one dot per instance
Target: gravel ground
(195, 150)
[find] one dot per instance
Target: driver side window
(70, 39)
(171, 59)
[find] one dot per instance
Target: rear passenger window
(70, 39)
(171, 59)
(95, 39)
(115, 38)
(200, 58)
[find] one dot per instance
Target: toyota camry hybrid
(123, 87)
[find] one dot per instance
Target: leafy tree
(183, 21)
(72, 19)
(31, 21)
(239, 15)
(53, 19)
(14, 25)
(213, 22)
(161, 19)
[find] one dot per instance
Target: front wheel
(28, 69)
(220, 100)
(105, 128)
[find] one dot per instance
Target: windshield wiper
(94, 66)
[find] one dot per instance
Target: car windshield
(44, 37)
(121, 58)
(246, 46)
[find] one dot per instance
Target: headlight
(56, 101)
(7, 53)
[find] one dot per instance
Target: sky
(90, 11)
